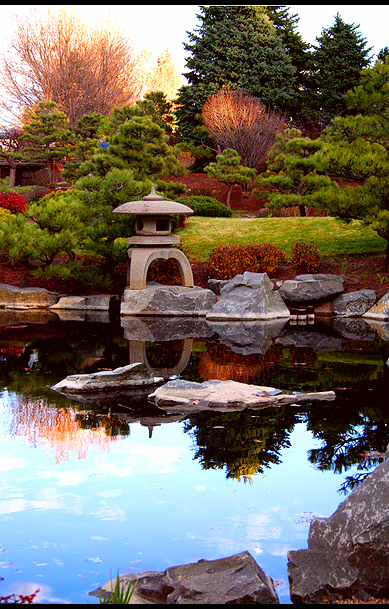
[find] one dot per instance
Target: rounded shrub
(226, 261)
(12, 202)
(305, 257)
(206, 206)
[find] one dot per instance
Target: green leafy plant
(119, 595)
(227, 261)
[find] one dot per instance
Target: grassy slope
(335, 239)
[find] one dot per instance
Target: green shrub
(229, 260)
(305, 257)
(206, 206)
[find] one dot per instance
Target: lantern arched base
(140, 259)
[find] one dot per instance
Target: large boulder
(354, 304)
(133, 375)
(224, 396)
(233, 580)
(348, 553)
(379, 310)
(248, 296)
(311, 289)
(12, 297)
(170, 300)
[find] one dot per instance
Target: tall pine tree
(335, 68)
(235, 46)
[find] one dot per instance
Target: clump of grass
(119, 595)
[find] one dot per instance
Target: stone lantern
(153, 238)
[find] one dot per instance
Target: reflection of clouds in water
(47, 501)
(68, 478)
(9, 463)
(146, 460)
(27, 588)
(108, 511)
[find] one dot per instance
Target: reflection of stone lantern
(153, 238)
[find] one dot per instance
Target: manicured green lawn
(334, 238)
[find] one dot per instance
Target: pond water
(109, 483)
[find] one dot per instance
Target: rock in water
(236, 579)
(348, 553)
(133, 375)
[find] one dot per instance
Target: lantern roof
(153, 204)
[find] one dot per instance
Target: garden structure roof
(153, 204)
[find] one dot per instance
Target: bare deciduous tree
(54, 56)
(164, 77)
(10, 145)
(234, 119)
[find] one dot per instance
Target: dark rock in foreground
(233, 580)
(348, 553)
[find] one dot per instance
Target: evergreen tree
(235, 46)
(47, 134)
(286, 27)
(228, 170)
(336, 63)
(289, 180)
(356, 148)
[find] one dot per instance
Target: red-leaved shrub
(13, 202)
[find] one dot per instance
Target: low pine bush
(12, 202)
(305, 257)
(229, 260)
(206, 206)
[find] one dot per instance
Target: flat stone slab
(133, 375)
(186, 396)
(379, 310)
(348, 553)
(95, 302)
(237, 579)
(167, 300)
(12, 297)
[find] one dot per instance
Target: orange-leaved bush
(226, 261)
(305, 257)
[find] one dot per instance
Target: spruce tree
(336, 63)
(235, 46)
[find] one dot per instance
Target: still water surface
(99, 485)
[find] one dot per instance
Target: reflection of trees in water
(65, 430)
(353, 426)
(220, 362)
(244, 443)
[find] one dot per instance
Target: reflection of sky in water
(77, 503)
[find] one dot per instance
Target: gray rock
(233, 580)
(217, 284)
(348, 553)
(248, 296)
(354, 304)
(95, 302)
(133, 375)
(185, 396)
(167, 300)
(26, 298)
(311, 289)
(379, 310)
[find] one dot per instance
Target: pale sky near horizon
(158, 27)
